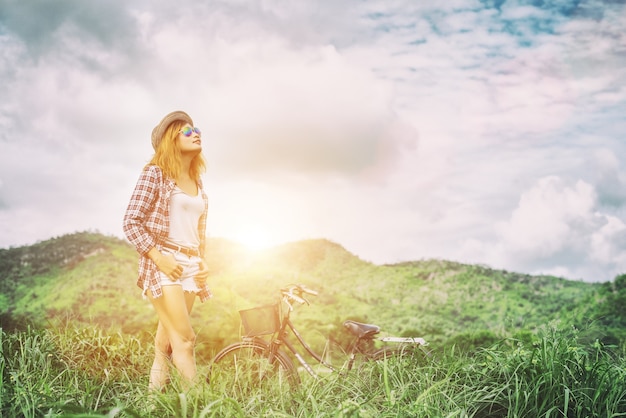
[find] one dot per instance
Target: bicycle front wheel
(250, 364)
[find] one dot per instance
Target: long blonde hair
(169, 157)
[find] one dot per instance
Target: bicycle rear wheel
(248, 364)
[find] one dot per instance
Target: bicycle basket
(261, 320)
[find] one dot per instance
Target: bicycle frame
(280, 338)
(283, 339)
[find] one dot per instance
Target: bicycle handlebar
(295, 293)
(306, 290)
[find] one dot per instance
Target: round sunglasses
(188, 131)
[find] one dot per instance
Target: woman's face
(189, 140)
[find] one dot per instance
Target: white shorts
(191, 267)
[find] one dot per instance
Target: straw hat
(159, 130)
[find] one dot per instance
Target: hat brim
(159, 130)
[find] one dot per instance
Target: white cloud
(607, 243)
(557, 228)
(307, 110)
(550, 216)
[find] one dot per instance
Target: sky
(485, 132)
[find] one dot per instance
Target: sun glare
(255, 238)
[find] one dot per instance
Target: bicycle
(258, 361)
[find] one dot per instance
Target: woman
(166, 222)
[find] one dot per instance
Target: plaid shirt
(147, 224)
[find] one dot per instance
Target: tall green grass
(89, 372)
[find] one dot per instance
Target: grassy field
(87, 372)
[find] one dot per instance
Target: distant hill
(90, 278)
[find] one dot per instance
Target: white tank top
(185, 212)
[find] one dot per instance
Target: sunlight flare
(256, 237)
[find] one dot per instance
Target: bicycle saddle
(361, 330)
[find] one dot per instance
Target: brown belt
(191, 252)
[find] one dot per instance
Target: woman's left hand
(202, 275)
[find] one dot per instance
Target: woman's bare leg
(174, 335)
(160, 371)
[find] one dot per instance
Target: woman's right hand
(167, 264)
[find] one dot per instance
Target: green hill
(90, 278)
